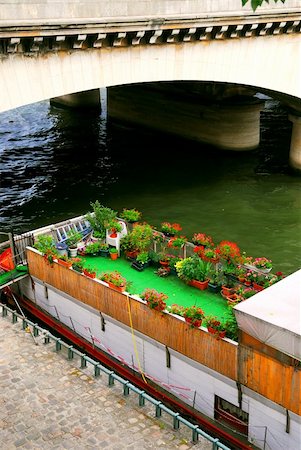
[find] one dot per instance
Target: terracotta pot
(258, 287)
(113, 235)
(202, 285)
(116, 288)
(89, 274)
(227, 291)
(211, 330)
(164, 263)
(131, 254)
(67, 264)
(114, 256)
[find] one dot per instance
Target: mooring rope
(134, 341)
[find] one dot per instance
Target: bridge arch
(27, 79)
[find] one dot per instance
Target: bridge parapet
(20, 12)
(52, 39)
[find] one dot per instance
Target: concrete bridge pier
(79, 100)
(228, 125)
(295, 147)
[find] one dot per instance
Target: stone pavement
(48, 402)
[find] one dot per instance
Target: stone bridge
(51, 48)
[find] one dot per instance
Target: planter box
(214, 288)
(202, 285)
(89, 274)
(116, 288)
(67, 264)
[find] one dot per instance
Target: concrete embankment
(49, 402)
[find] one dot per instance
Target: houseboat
(246, 392)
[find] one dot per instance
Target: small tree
(100, 219)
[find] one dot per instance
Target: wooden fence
(197, 344)
(251, 363)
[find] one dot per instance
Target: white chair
(115, 241)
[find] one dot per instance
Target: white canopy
(273, 316)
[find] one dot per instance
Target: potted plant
(170, 229)
(263, 264)
(214, 284)
(207, 254)
(73, 237)
(228, 250)
(115, 280)
(136, 241)
(227, 286)
(93, 248)
(89, 271)
(154, 299)
(176, 309)
(194, 316)
(130, 215)
(44, 243)
(141, 261)
(194, 271)
(163, 272)
(202, 239)
(63, 260)
(100, 218)
(77, 265)
(215, 327)
(114, 227)
(113, 253)
(173, 260)
(103, 249)
(177, 242)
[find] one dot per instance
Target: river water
(54, 162)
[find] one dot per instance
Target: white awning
(273, 316)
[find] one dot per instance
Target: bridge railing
(50, 11)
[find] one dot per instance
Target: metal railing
(112, 377)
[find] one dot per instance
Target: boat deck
(178, 292)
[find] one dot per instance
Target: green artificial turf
(5, 277)
(178, 292)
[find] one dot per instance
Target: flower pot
(227, 291)
(164, 263)
(63, 263)
(104, 253)
(113, 235)
(77, 269)
(221, 334)
(258, 287)
(202, 285)
(211, 330)
(89, 274)
(131, 254)
(116, 288)
(113, 256)
(73, 252)
(213, 288)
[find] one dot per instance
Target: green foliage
(93, 248)
(73, 237)
(143, 257)
(44, 243)
(193, 268)
(139, 239)
(100, 218)
(256, 3)
(130, 215)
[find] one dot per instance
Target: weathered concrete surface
(47, 402)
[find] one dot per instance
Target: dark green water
(53, 163)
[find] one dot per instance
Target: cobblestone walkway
(48, 402)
